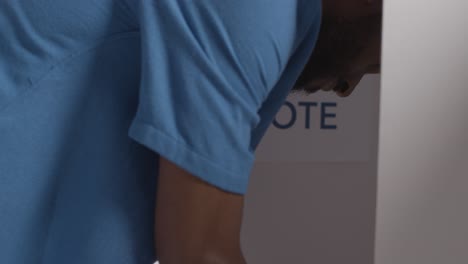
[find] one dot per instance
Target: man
(128, 128)
(348, 47)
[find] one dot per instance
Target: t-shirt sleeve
(208, 69)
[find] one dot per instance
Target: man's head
(351, 8)
(347, 48)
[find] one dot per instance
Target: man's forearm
(209, 258)
(195, 222)
(216, 258)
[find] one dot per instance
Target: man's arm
(196, 222)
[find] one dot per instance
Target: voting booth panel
(311, 196)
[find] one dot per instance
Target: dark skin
(196, 222)
(199, 223)
(348, 47)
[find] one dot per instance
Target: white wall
(423, 148)
(311, 197)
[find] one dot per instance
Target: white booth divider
(423, 150)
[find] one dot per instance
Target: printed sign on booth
(323, 127)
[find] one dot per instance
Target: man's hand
(196, 223)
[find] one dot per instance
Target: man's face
(348, 47)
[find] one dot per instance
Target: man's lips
(321, 84)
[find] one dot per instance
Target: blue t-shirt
(92, 91)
